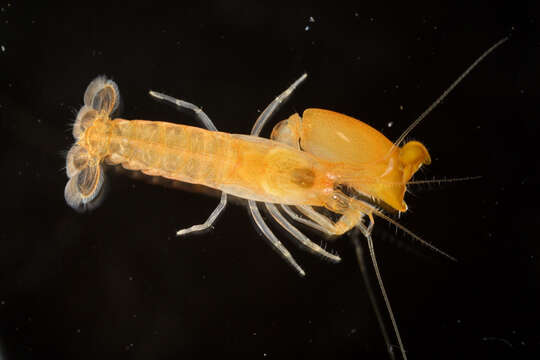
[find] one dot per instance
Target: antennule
(446, 92)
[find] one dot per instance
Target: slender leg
(211, 219)
(278, 246)
(254, 210)
(274, 105)
(205, 120)
(348, 220)
(318, 218)
(302, 220)
(302, 239)
(202, 117)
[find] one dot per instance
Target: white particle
(390, 124)
(3, 48)
(306, 28)
(311, 19)
(400, 107)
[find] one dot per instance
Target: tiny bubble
(372, 19)
(356, 14)
(306, 28)
(3, 302)
(78, 331)
(130, 278)
(254, 334)
(397, 86)
(478, 126)
(134, 316)
(522, 91)
(390, 124)
(458, 321)
(435, 27)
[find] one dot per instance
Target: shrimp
(303, 167)
(321, 160)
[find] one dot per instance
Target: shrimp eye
(286, 131)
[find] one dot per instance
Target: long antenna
(360, 257)
(446, 92)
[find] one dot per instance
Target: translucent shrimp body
(246, 166)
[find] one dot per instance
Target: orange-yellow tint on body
(245, 166)
(370, 162)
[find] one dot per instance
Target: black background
(117, 282)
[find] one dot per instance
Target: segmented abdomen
(173, 151)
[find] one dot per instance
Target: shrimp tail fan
(84, 190)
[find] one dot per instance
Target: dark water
(117, 283)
